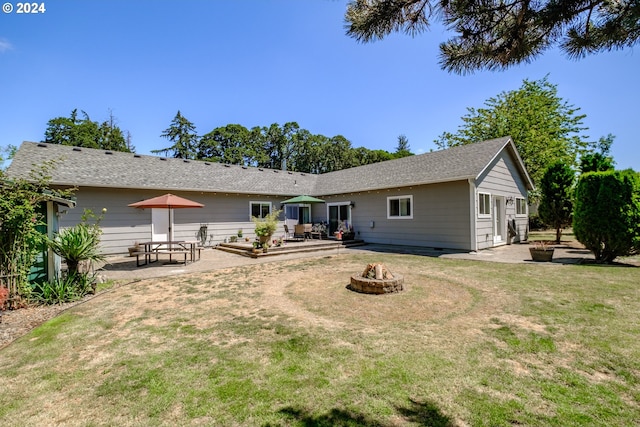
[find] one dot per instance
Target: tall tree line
(286, 147)
(80, 131)
(275, 146)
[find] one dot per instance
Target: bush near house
(19, 237)
(606, 217)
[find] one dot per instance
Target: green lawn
(286, 344)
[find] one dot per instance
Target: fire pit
(376, 279)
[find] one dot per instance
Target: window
(484, 204)
(260, 209)
(521, 206)
(400, 207)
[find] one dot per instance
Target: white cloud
(5, 45)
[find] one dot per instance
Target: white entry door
(160, 225)
(498, 222)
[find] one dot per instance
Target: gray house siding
(501, 180)
(223, 214)
(440, 216)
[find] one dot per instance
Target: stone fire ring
(376, 286)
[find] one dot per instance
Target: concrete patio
(124, 268)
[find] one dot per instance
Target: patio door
(337, 213)
(300, 213)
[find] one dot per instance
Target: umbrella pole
(169, 238)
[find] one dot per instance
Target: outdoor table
(189, 249)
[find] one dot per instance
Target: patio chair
(308, 228)
(287, 234)
(299, 231)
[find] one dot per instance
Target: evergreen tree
(606, 216)
(402, 149)
(556, 188)
(183, 136)
(497, 34)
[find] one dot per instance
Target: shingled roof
(85, 167)
(454, 164)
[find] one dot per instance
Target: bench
(147, 256)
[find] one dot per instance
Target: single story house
(469, 197)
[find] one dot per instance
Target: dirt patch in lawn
(312, 292)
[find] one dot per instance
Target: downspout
(473, 224)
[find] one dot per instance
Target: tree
(598, 159)
(20, 215)
(498, 34)
(544, 128)
(606, 217)
(182, 133)
(227, 144)
(596, 162)
(287, 146)
(83, 132)
(402, 149)
(556, 188)
(6, 153)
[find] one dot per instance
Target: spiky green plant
(76, 244)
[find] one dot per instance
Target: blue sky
(270, 61)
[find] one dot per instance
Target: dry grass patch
(286, 343)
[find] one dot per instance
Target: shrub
(20, 215)
(556, 206)
(79, 243)
(535, 223)
(68, 288)
(606, 216)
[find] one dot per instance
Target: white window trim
(485, 215)
(260, 202)
(408, 196)
(526, 207)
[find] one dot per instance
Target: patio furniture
(299, 231)
(308, 228)
(187, 251)
(319, 231)
(287, 232)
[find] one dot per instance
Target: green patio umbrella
(302, 199)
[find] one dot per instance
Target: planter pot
(541, 255)
(264, 239)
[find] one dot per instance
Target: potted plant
(541, 251)
(240, 232)
(133, 249)
(256, 247)
(265, 227)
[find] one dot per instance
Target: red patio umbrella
(168, 201)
